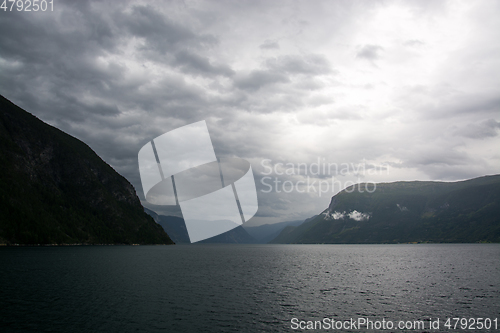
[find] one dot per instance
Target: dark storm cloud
(269, 45)
(161, 34)
(65, 66)
(282, 70)
(370, 52)
(259, 78)
(165, 41)
(76, 32)
(474, 105)
(56, 60)
(196, 64)
(485, 129)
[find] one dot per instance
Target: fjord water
(241, 288)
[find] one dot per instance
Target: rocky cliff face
(55, 189)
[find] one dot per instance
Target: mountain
(401, 212)
(176, 228)
(55, 190)
(267, 232)
(237, 235)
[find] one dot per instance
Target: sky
(316, 95)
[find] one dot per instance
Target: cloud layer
(409, 89)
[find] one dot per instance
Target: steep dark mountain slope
(174, 226)
(400, 212)
(54, 189)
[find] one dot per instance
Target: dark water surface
(242, 288)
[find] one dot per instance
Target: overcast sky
(396, 90)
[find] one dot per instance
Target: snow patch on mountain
(354, 215)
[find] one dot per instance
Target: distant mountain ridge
(55, 190)
(401, 212)
(267, 232)
(175, 227)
